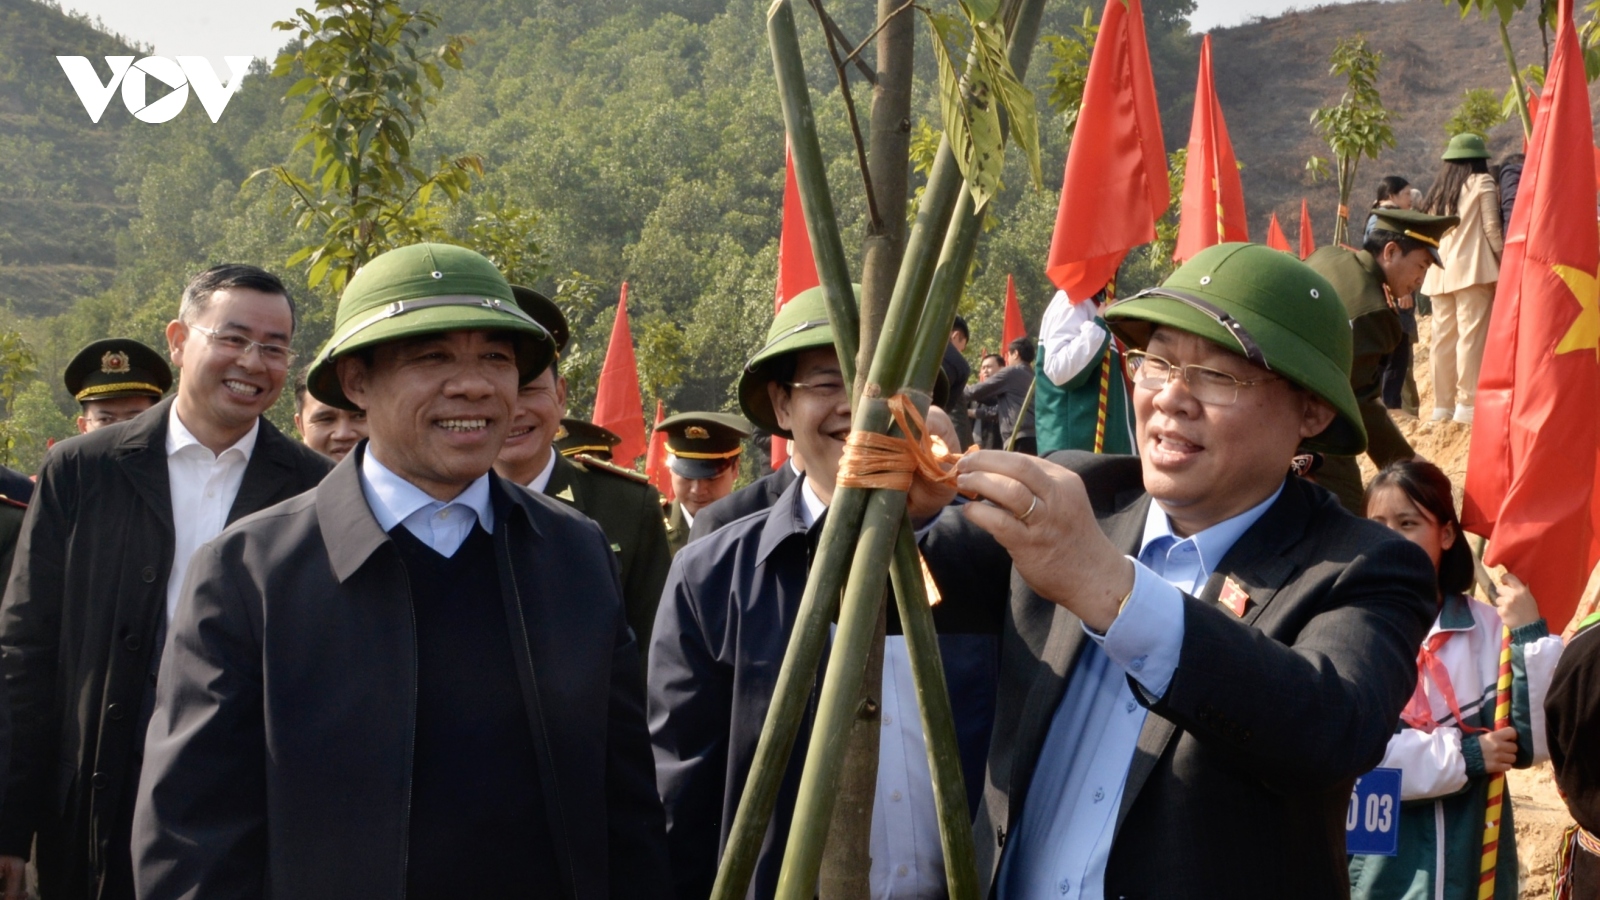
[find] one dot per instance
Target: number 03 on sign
(1371, 824)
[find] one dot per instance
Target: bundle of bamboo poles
(866, 531)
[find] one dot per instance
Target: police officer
(579, 438)
(703, 456)
(621, 501)
(1398, 251)
(114, 380)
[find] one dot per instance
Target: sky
(244, 27)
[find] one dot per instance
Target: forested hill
(59, 209)
(635, 140)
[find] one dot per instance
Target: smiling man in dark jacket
(416, 681)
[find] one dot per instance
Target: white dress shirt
(203, 486)
(688, 517)
(542, 480)
(1071, 337)
(442, 525)
(907, 858)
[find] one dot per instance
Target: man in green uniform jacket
(703, 450)
(1397, 253)
(619, 500)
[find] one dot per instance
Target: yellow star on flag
(1585, 331)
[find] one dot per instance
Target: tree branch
(874, 220)
(851, 56)
(837, 33)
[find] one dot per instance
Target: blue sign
(1372, 823)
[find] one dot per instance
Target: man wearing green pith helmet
(1202, 651)
(416, 680)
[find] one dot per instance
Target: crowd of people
(442, 646)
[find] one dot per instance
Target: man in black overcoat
(106, 540)
(416, 681)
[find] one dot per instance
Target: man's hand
(1515, 602)
(14, 875)
(926, 499)
(1499, 749)
(1041, 515)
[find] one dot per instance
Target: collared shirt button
(1064, 885)
(888, 719)
(895, 796)
(1137, 665)
(902, 871)
(1099, 794)
(1132, 706)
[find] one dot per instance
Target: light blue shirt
(441, 525)
(1069, 818)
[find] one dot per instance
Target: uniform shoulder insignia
(600, 465)
(10, 502)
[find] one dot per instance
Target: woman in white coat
(1462, 288)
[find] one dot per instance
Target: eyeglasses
(830, 391)
(1209, 386)
(275, 356)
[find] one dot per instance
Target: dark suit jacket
(15, 485)
(957, 371)
(81, 625)
(296, 632)
(753, 497)
(1244, 768)
(629, 512)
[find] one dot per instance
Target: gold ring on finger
(1031, 507)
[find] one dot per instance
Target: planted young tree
(368, 82)
(1356, 126)
(1480, 110)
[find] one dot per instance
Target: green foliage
(368, 84)
(971, 104)
(1069, 68)
(1480, 110)
(1533, 82)
(17, 370)
(1503, 8)
(1358, 125)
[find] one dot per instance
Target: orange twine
(882, 462)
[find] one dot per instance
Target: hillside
(1272, 74)
(59, 210)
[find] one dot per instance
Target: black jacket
(1243, 771)
(1007, 390)
(81, 625)
(753, 497)
(720, 637)
(958, 372)
(296, 633)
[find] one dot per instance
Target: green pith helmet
(1268, 307)
(801, 325)
(419, 290)
(1465, 146)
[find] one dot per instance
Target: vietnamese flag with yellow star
(1531, 474)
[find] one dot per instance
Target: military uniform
(117, 367)
(700, 446)
(628, 510)
(1376, 332)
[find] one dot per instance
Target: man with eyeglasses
(107, 540)
(1203, 651)
(115, 379)
(724, 622)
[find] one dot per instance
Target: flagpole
(1493, 809)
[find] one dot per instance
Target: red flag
(1213, 198)
(1531, 473)
(1308, 241)
(797, 267)
(1276, 239)
(1013, 328)
(617, 404)
(655, 462)
(1115, 185)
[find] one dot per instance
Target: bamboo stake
(1027, 402)
(842, 526)
(933, 698)
(811, 177)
